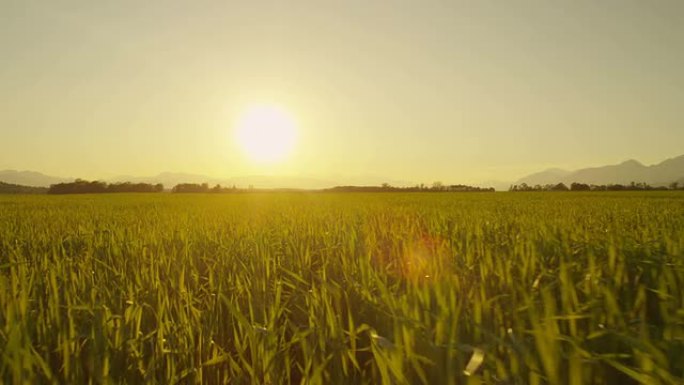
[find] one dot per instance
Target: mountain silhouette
(30, 178)
(663, 173)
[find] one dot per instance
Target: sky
(455, 91)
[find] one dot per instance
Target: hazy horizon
(465, 92)
(657, 173)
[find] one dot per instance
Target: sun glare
(266, 133)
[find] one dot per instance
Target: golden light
(266, 133)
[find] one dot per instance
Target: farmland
(542, 288)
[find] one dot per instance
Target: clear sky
(458, 91)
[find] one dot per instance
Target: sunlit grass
(342, 289)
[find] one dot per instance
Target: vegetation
(385, 187)
(191, 188)
(436, 187)
(204, 188)
(8, 188)
(342, 288)
(587, 187)
(97, 187)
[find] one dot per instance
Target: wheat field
(315, 288)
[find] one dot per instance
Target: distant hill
(30, 178)
(660, 174)
(8, 188)
(550, 176)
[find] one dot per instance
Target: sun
(266, 133)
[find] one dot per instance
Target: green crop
(318, 288)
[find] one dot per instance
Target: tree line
(204, 188)
(385, 187)
(593, 187)
(80, 186)
(436, 187)
(9, 188)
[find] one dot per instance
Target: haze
(458, 91)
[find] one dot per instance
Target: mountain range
(663, 173)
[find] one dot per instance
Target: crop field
(315, 288)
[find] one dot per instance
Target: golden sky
(458, 91)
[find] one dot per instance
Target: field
(542, 288)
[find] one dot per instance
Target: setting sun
(266, 133)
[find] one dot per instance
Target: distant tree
(190, 188)
(560, 187)
(579, 187)
(387, 188)
(80, 186)
(674, 185)
(575, 186)
(521, 187)
(8, 188)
